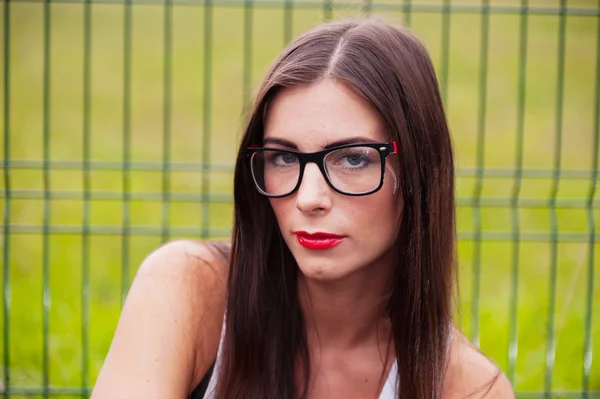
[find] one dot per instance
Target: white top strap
(388, 391)
(389, 388)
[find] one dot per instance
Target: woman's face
(308, 119)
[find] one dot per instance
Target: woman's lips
(318, 240)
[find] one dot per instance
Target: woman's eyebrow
(351, 140)
(282, 142)
(289, 144)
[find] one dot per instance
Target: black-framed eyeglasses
(350, 169)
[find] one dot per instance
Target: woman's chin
(322, 270)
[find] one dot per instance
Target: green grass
(66, 123)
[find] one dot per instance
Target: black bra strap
(200, 390)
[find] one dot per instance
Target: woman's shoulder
(192, 259)
(472, 374)
(168, 333)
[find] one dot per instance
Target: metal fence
(120, 122)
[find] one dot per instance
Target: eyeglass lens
(352, 170)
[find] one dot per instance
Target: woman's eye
(355, 159)
(284, 158)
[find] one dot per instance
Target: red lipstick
(318, 240)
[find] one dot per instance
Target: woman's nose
(314, 194)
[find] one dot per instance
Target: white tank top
(388, 391)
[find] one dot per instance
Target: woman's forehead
(314, 116)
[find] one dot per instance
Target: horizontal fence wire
(405, 6)
(490, 172)
(220, 232)
(166, 196)
(216, 198)
(71, 391)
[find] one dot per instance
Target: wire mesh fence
(119, 128)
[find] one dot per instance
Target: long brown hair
(265, 338)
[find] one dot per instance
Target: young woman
(340, 278)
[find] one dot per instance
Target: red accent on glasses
(395, 148)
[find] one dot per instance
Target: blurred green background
(120, 125)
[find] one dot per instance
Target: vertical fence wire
(445, 59)
(367, 6)
(206, 117)
(6, 292)
(46, 211)
(551, 344)
(167, 97)
(85, 245)
(287, 21)
(480, 164)
(587, 348)
(513, 346)
(407, 10)
(247, 73)
(126, 182)
(327, 10)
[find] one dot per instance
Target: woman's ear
(392, 165)
(391, 169)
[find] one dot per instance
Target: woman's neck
(347, 313)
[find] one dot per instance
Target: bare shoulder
(188, 259)
(170, 325)
(471, 374)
